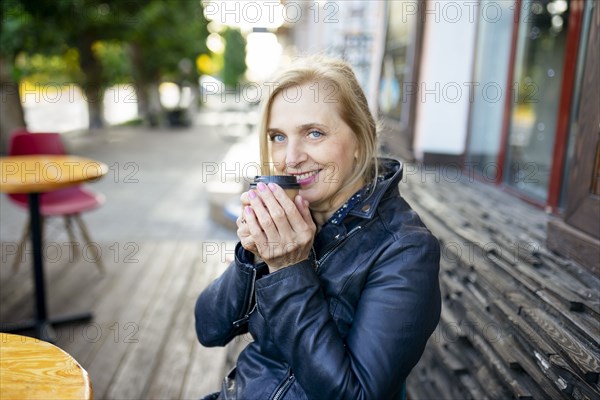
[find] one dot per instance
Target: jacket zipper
(250, 307)
(320, 261)
(283, 387)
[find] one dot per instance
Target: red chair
(69, 202)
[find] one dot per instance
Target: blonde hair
(351, 103)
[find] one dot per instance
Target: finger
(293, 216)
(242, 227)
(280, 207)
(245, 199)
(240, 221)
(249, 245)
(243, 233)
(256, 234)
(265, 216)
(303, 207)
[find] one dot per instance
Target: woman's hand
(243, 230)
(281, 230)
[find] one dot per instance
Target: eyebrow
(302, 127)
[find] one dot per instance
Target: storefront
(399, 73)
(532, 54)
(525, 119)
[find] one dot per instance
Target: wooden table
(33, 175)
(34, 369)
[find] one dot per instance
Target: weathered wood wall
(517, 321)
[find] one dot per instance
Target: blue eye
(277, 137)
(315, 134)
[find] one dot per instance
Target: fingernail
(249, 210)
(252, 194)
(273, 187)
(262, 187)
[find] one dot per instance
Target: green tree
(234, 57)
(55, 27)
(112, 39)
(165, 44)
(16, 31)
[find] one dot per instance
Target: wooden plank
(17, 294)
(520, 387)
(579, 388)
(139, 362)
(581, 323)
(504, 377)
(429, 380)
(97, 293)
(207, 365)
(575, 244)
(443, 350)
(494, 389)
(103, 297)
(560, 265)
(575, 299)
(168, 378)
(520, 329)
(583, 359)
(450, 285)
(105, 363)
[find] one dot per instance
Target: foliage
(234, 57)
(113, 56)
(99, 43)
(43, 69)
(209, 64)
(165, 34)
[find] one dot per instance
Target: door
(577, 235)
(582, 205)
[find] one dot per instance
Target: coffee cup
(288, 183)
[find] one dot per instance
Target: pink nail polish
(261, 186)
(252, 194)
(249, 210)
(272, 186)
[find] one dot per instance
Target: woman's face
(310, 140)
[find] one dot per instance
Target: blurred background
(479, 82)
(491, 103)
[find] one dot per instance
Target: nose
(295, 154)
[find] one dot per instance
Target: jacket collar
(391, 171)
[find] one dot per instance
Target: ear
(356, 147)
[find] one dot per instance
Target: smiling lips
(307, 177)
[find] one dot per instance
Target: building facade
(502, 90)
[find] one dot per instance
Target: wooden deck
(141, 343)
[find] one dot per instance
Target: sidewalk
(154, 186)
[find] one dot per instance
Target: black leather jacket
(349, 323)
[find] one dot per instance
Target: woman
(338, 288)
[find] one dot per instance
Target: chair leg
(86, 237)
(72, 239)
(21, 246)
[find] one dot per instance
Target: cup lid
(285, 181)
